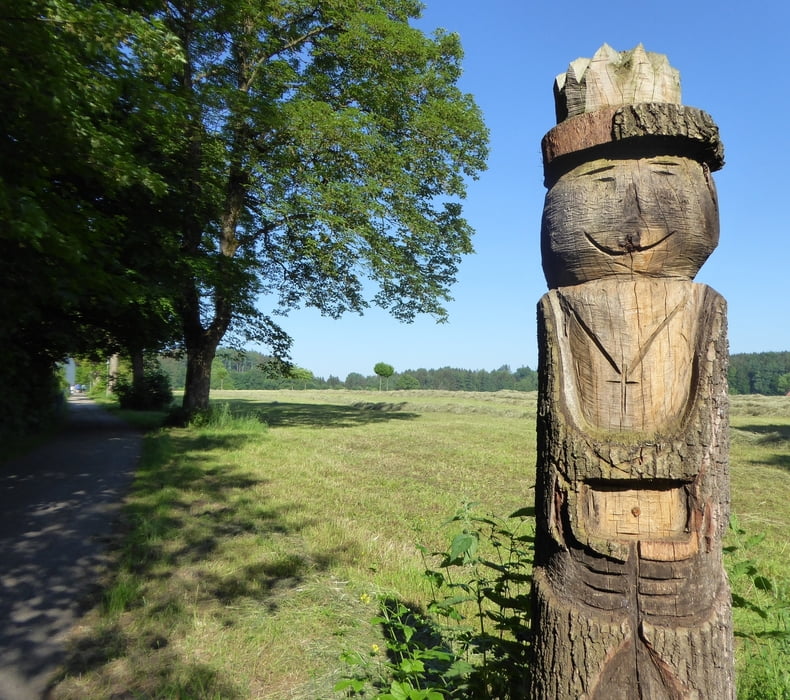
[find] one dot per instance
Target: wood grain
(632, 494)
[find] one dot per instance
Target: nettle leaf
(398, 691)
(436, 578)
(433, 695)
(354, 684)
(412, 666)
(463, 547)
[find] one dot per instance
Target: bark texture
(197, 384)
(673, 126)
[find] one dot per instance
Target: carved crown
(619, 96)
(613, 78)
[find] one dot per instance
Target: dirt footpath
(58, 506)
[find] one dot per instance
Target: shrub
(152, 394)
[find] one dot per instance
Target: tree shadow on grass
(168, 674)
(279, 414)
(771, 435)
(186, 511)
(779, 460)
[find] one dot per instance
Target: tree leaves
(315, 151)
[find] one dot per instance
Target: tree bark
(112, 372)
(138, 371)
(201, 347)
(203, 338)
(197, 386)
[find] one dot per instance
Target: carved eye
(663, 168)
(598, 171)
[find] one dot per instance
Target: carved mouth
(629, 247)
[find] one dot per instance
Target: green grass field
(253, 548)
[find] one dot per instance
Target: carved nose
(631, 241)
(633, 223)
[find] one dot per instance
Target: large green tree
(73, 90)
(323, 154)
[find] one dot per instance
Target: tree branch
(286, 47)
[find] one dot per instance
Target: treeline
(453, 379)
(252, 370)
(765, 373)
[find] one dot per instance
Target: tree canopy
(323, 157)
(759, 373)
(165, 165)
(383, 371)
(73, 94)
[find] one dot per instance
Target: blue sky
(733, 63)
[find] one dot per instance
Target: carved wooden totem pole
(631, 600)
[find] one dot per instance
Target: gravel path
(58, 506)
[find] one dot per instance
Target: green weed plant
(474, 640)
(762, 614)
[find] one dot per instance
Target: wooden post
(631, 600)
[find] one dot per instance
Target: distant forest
(760, 373)
(750, 373)
(249, 371)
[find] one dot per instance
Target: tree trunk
(112, 372)
(201, 347)
(197, 386)
(631, 601)
(138, 371)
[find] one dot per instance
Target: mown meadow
(256, 548)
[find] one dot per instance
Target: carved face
(656, 217)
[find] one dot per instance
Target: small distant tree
(354, 380)
(300, 374)
(384, 371)
(407, 381)
(219, 373)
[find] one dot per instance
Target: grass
(253, 547)
(760, 476)
(142, 420)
